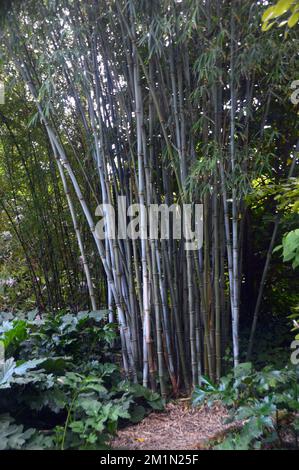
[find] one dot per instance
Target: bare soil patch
(179, 427)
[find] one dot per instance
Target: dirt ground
(179, 427)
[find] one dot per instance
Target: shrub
(68, 391)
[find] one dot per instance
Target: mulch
(178, 427)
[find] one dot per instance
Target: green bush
(60, 386)
(258, 399)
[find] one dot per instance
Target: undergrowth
(264, 405)
(60, 385)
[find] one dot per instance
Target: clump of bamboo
(159, 101)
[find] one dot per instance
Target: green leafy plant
(290, 247)
(282, 8)
(14, 437)
(11, 372)
(61, 375)
(257, 399)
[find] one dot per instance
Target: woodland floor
(179, 427)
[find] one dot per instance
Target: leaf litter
(178, 427)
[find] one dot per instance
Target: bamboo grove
(162, 102)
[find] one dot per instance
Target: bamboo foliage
(156, 107)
